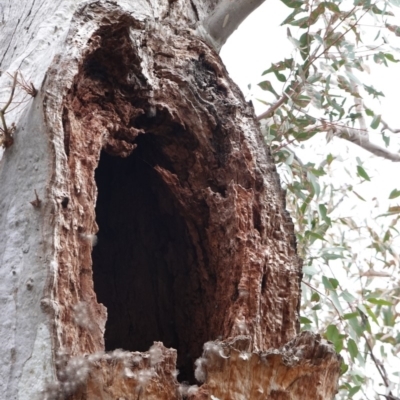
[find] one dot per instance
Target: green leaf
(388, 318)
(315, 14)
(333, 335)
(305, 42)
(314, 182)
(309, 270)
(334, 38)
(292, 16)
(351, 315)
(304, 320)
(343, 368)
(360, 197)
(375, 122)
(374, 93)
(334, 282)
(305, 135)
(302, 101)
(376, 10)
(292, 3)
(331, 7)
(357, 328)
(362, 173)
(287, 63)
(266, 85)
(386, 139)
(352, 348)
(315, 78)
(379, 302)
(331, 256)
(314, 235)
(371, 314)
(369, 112)
(336, 302)
(379, 58)
(301, 23)
(395, 193)
(390, 57)
(326, 282)
(347, 296)
(323, 212)
(280, 77)
(354, 390)
(289, 159)
(315, 297)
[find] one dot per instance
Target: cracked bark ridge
(305, 368)
(155, 105)
(121, 375)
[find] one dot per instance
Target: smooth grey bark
(225, 19)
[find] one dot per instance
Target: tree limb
(357, 136)
(361, 136)
(267, 114)
(225, 19)
(354, 136)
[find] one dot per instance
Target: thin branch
(386, 126)
(379, 366)
(322, 294)
(268, 114)
(358, 137)
(7, 139)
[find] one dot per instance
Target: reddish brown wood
(194, 243)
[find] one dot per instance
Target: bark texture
(149, 145)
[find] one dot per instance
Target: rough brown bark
(155, 150)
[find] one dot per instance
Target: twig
(27, 87)
(333, 304)
(386, 126)
(267, 114)
(37, 202)
(7, 139)
(380, 367)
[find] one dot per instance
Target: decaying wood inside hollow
(194, 243)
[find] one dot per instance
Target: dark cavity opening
(144, 265)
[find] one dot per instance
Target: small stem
(8, 140)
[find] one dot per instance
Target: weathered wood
(139, 136)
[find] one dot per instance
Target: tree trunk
(138, 140)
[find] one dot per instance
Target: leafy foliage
(351, 288)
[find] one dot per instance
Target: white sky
(260, 41)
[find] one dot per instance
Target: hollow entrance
(144, 265)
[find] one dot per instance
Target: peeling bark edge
(60, 75)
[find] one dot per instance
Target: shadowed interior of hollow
(144, 264)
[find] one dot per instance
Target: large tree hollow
(144, 264)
